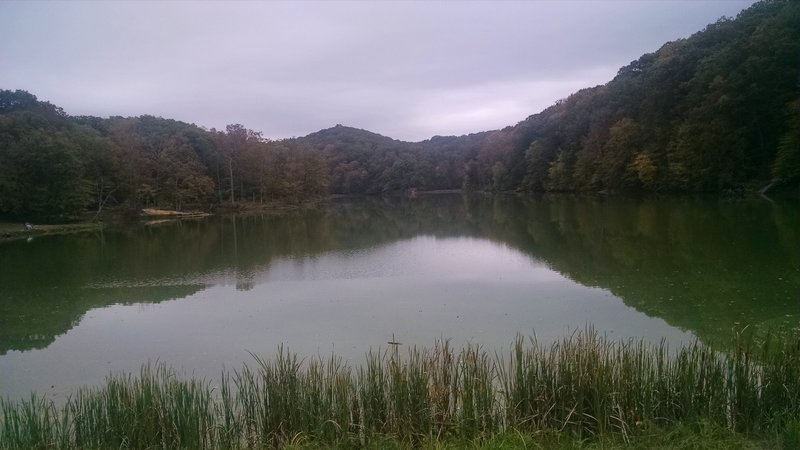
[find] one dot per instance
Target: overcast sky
(408, 70)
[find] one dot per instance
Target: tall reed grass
(584, 385)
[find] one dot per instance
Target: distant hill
(368, 163)
(343, 135)
(716, 112)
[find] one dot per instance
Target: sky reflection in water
(344, 302)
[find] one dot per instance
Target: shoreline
(13, 231)
(587, 389)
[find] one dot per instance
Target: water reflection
(347, 277)
(705, 265)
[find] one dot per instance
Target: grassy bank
(10, 231)
(585, 391)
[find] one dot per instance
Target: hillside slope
(716, 112)
(719, 110)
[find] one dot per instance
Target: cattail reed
(584, 385)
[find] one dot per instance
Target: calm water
(200, 295)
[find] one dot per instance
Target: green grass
(584, 391)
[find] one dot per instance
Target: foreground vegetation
(583, 391)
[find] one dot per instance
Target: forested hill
(718, 111)
(364, 162)
(54, 167)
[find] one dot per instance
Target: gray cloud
(406, 69)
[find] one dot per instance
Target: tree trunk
(230, 172)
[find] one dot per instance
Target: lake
(350, 276)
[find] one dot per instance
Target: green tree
(186, 181)
(645, 170)
(786, 168)
(44, 179)
(500, 177)
(618, 152)
(558, 175)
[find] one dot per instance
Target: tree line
(56, 167)
(718, 111)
